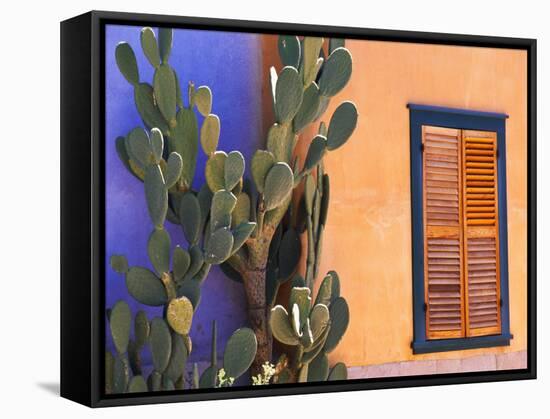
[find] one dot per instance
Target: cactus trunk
(255, 290)
(254, 285)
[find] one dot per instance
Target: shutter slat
(440, 177)
(481, 241)
(441, 183)
(443, 245)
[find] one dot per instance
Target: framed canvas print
(254, 209)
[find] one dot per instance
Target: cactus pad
(181, 262)
(290, 251)
(308, 109)
(121, 374)
(280, 142)
(223, 204)
(145, 287)
(288, 94)
(165, 43)
(241, 213)
(339, 320)
(335, 289)
(119, 264)
(185, 141)
(219, 246)
(240, 351)
(178, 358)
(311, 60)
(210, 134)
(335, 43)
(281, 327)
(342, 124)
(120, 321)
(126, 61)
(214, 171)
(289, 50)
(338, 372)
(158, 249)
(138, 146)
(203, 100)
(190, 217)
(262, 161)
(141, 328)
(150, 46)
(325, 291)
(147, 108)
(179, 315)
(315, 152)
(109, 371)
(318, 368)
(241, 234)
(157, 144)
(233, 169)
(174, 165)
(301, 297)
(137, 385)
(154, 381)
(160, 341)
(336, 72)
(319, 319)
(156, 194)
(164, 87)
(278, 185)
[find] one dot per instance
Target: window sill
(445, 345)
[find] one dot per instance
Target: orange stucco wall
(368, 236)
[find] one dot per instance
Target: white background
(29, 207)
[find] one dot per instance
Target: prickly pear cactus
(250, 227)
(301, 92)
(314, 329)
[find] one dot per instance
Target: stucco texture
(368, 234)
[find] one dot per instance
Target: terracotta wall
(368, 236)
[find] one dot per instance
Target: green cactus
(137, 385)
(338, 372)
(160, 341)
(251, 229)
(178, 358)
(145, 287)
(314, 331)
(109, 372)
(121, 374)
(179, 315)
(240, 352)
(135, 346)
(278, 185)
(210, 133)
(190, 217)
(339, 320)
(120, 322)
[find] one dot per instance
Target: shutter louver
(481, 247)
(443, 233)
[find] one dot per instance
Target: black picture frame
(83, 203)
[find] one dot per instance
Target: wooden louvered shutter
(442, 203)
(481, 245)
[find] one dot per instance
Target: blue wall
(230, 64)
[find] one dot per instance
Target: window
(460, 274)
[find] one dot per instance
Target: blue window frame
(459, 119)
